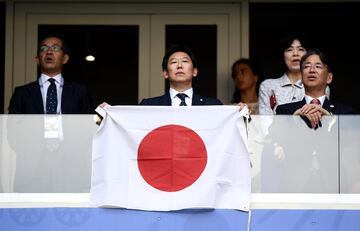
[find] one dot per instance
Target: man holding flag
(156, 158)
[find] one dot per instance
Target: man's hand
(313, 112)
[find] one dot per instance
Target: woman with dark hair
(247, 76)
(288, 88)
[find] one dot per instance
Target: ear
(195, 72)
(66, 59)
(329, 78)
(256, 78)
(165, 74)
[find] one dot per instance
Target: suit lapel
(298, 105)
(328, 106)
(197, 100)
(165, 100)
(37, 97)
(66, 97)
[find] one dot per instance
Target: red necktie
(315, 101)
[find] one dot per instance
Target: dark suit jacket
(165, 100)
(27, 99)
(290, 108)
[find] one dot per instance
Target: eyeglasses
(45, 48)
(316, 66)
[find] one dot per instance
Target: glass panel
(113, 76)
(289, 157)
(349, 154)
(202, 39)
(286, 156)
(46, 153)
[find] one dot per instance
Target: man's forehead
(179, 54)
(51, 40)
(313, 58)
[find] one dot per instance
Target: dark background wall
(2, 55)
(331, 27)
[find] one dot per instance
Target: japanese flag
(170, 158)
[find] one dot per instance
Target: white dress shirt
(309, 98)
(44, 85)
(175, 101)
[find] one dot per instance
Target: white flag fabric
(163, 158)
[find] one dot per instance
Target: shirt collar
(58, 78)
(188, 92)
(285, 81)
(309, 98)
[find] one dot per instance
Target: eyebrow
(314, 63)
(55, 44)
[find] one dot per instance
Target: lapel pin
(332, 105)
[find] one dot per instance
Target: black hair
(323, 57)
(64, 43)
(286, 42)
(176, 48)
(256, 70)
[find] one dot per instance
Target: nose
(179, 64)
(49, 50)
(295, 52)
(312, 68)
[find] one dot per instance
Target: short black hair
(323, 57)
(64, 43)
(176, 48)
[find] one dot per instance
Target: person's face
(315, 74)
(244, 77)
(293, 54)
(50, 57)
(180, 68)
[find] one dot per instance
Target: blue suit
(165, 100)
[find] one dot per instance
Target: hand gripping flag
(169, 158)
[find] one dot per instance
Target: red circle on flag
(171, 157)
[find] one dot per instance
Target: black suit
(165, 100)
(27, 99)
(290, 108)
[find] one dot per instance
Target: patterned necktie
(182, 97)
(51, 98)
(315, 101)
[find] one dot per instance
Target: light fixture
(90, 58)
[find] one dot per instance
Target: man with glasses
(51, 94)
(316, 73)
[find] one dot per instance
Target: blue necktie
(51, 98)
(182, 97)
